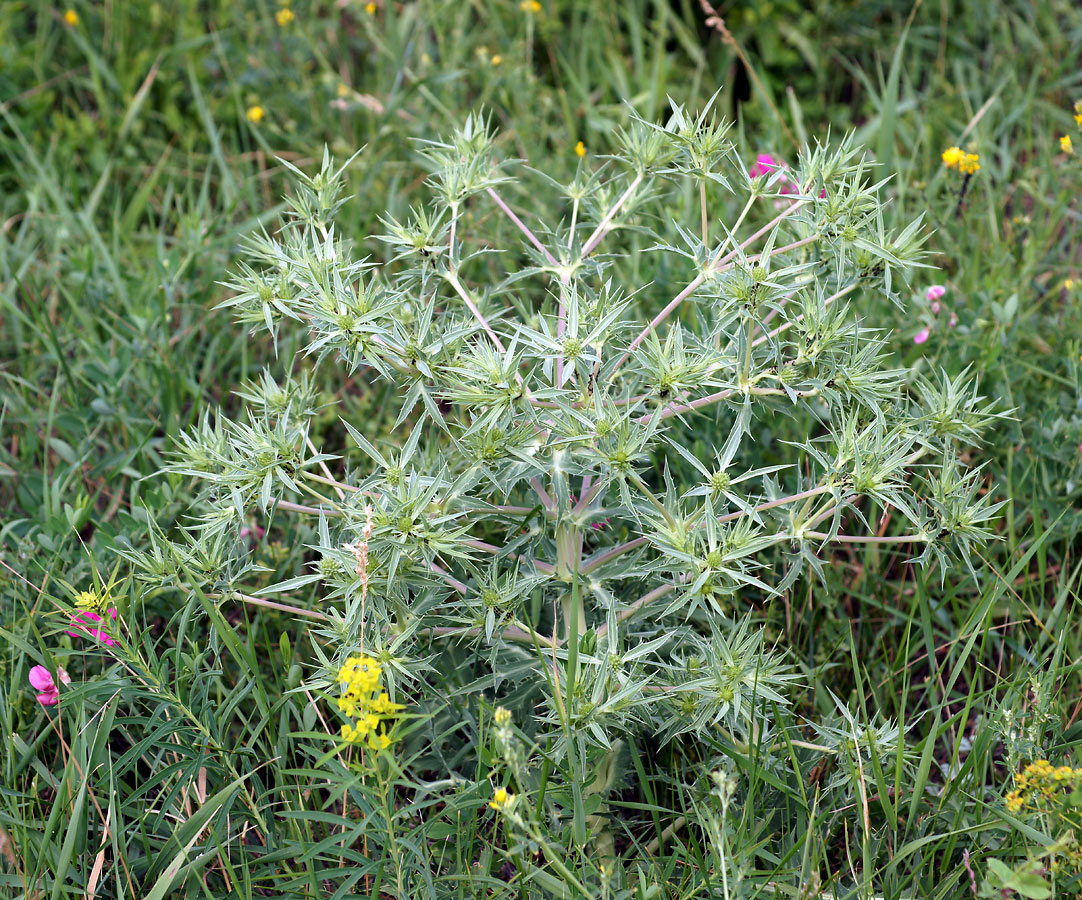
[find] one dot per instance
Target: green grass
(129, 175)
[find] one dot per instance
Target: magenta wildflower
(254, 532)
(921, 336)
(41, 680)
(765, 164)
(935, 292)
(83, 619)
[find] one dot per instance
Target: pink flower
(254, 532)
(41, 680)
(953, 320)
(936, 307)
(764, 165)
(935, 292)
(921, 336)
(79, 620)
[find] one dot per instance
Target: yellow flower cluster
(580, 149)
(1040, 783)
(1065, 144)
(502, 800)
(71, 17)
(90, 601)
(1078, 113)
(284, 16)
(957, 158)
(364, 701)
(530, 6)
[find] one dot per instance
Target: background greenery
(129, 172)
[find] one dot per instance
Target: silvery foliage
(526, 501)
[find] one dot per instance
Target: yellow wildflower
(284, 16)
(969, 163)
(497, 59)
(89, 600)
(71, 17)
(254, 114)
(502, 715)
(360, 673)
(580, 149)
(370, 8)
(530, 6)
(1078, 118)
(501, 799)
(1040, 786)
(342, 90)
(952, 156)
(363, 701)
(1065, 144)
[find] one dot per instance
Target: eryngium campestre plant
(533, 499)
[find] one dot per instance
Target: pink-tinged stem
(790, 324)
(669, 411)
(449, 578)
(764, 230)
(523, 227)
(612, 554)
(692, 287)
(589, 491)
(634, 544)
(337, 484)
(547, 568)
(781, 501)
(868, 538)
(314, 510)
(282, 607)
(552, 261)
(542, 494)
(594, 239)
(457, 285)
(644, 600)
(830, 510)
(512, 633)
(661, 317)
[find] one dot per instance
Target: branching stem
(599, 232)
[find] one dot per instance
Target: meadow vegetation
(543, 449)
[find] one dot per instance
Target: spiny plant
(537, 502)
